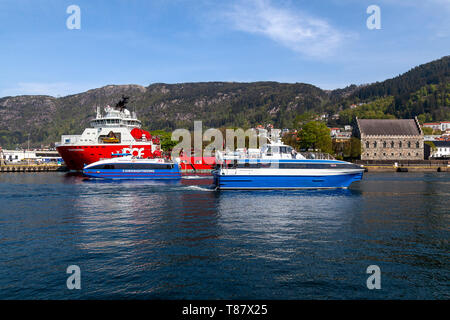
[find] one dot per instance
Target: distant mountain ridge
(422, 90)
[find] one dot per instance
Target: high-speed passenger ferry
(278, 166)
(130, 167)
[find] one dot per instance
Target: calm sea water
(146, 240)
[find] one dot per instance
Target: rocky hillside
(422, 90)
(159, 106)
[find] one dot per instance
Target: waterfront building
(390, 139)
(34, 156)
(442, 150)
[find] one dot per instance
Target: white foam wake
(196, 177)
(212, 188)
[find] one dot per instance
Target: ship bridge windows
(286, 150)
(317, 166)
(112, 121)
(276, 149)
(289, 165)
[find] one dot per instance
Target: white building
(434, 137)
(442, 149)
(443, 125)
(334, 131)
(34, 156)
(341, 136)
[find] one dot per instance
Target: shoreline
(406, 169)
(57, 168)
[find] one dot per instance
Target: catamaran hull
(158, 174)
(236, 182)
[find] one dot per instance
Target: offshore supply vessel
(116, 130)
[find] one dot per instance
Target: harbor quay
(32, 168)
(405, 165)
(417, 166)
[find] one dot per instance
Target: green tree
(432, 145)
(303, 118)
(165, 138)
(355, 148)
(315, 135)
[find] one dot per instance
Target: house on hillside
(390, 139)
(442, 125)
(342, 136)
(334, 131)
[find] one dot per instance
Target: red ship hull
(197, 163)
(76, 157)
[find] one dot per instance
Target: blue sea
(183, 240)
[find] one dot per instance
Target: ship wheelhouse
(116, 118)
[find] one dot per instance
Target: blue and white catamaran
(130, 167)
(278, 166)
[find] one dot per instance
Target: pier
(31, 168)
(405, 165)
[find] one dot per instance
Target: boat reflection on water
(148, 240)
(281, 214)
(148, 229)
(132, 182)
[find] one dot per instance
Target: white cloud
(293, 29)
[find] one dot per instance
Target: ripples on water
(148, 240)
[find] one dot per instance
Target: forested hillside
(423, 91)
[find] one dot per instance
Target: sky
(326, 43)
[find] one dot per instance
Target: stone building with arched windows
(390, 139)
